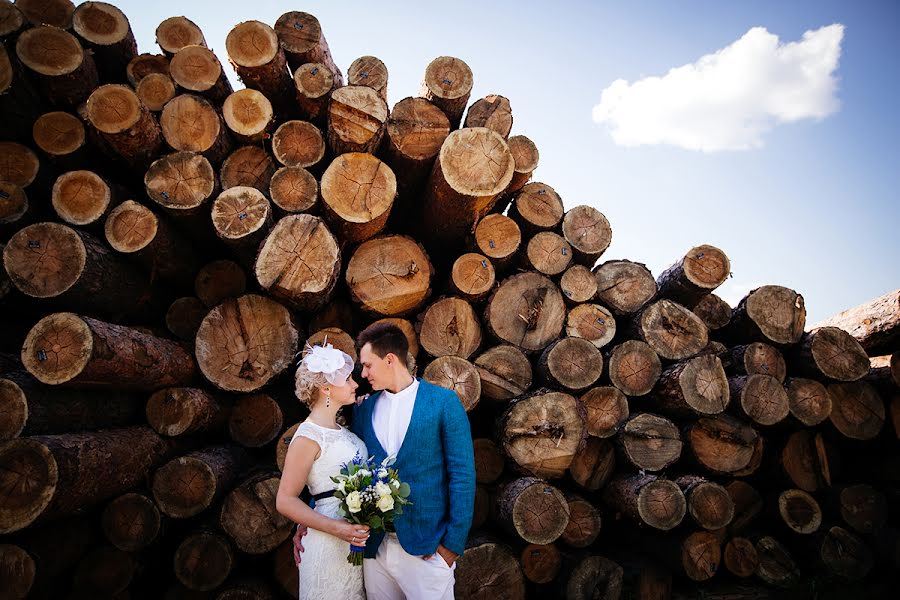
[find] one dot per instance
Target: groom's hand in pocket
(298, 543)
(448, 555)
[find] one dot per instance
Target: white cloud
(728, 100)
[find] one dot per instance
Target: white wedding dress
(324, 570)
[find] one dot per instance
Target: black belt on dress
(323, 495)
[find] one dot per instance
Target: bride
(316, 452)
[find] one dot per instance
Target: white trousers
(395, 575)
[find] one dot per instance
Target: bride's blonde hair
(307, 383)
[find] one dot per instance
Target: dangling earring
(328, 400)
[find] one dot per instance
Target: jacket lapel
(419, 405)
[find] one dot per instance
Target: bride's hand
(352, 533)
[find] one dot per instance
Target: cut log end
(80, 197)
(548, 253)
(540, 562)
(29, 479)
(293, 189)
(651, 442)
(371, 72)
(181, 181)
(130, 227)
(410, 281)
(252, 44)
(740, 557)
(800, 511)
(356, 119)
(144, 64)
(131, 522)
(497, 237)
(505, 372)
(537, 207)
(624, 286)
(239, 212)
(155, 90)
(535, 510)
(190, 123)
(44, 260)
(527, 310)
(113, 108)
(857, 410)
(634, 367)
(249, 166)
(58, 133)
(838, 355)
(20, 165)
(203, 561)
(196, 68)
(573, 363)
(706, 266)
(100, 23)
(578, 284)
(416, 128)
(476, 162)
(298, 143)
(588, 231)
(17, 569)
(492, 111)
(255, 421)
(248, 113)
(776, 312)
(673, 331)
(607, 410)
(175, 33)
(49, 51)
(458, 375)
(358, 191)
(450, 328)
(701, 554)
(809, 401)
(472, 275)
(591, 322)
(713, 311)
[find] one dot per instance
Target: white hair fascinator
(334, 364)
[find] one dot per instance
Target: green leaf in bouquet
(404, 490)
(375, 522)
(341, 512)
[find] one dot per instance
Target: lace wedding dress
(324, 570)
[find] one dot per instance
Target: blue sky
(813, 208)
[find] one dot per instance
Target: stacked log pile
(169, 245)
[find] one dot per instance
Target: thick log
(154, 90)
(299, 262)
(756, 459)
(699, 272)
(131, 522)
(255, 421)
(371, 72)
(634, 367)
(863, 508)
(106, 31)
(218, 281)
(526, 157)
(498, 237)
(591, 322)
(473, 167)
(28, 407)
(203, 560)
(314, 83)
(830, 353)
(257, 57)
(17, 571)
(571, 363)
(772, 314)
(650, 442)
(145, 64)
(588, 232)
(105, 572)
(584, 523)
(578, 285)
(505, 372)
(447, 84)
(776, 565)
(457, 374)
(389, 275)
(697, 386)
(722, 444)
(57, 13)
(624, 286)
(757, 359)
(472, 277)
(415, 131)
(450, 327)
(540, 562)
(537, 207)
(56, 475)
(844, 554)
(196, 69)
(64, 72)
(747, 505)
(134, 230)
(245, 342)
(249, 116)
(542, 432)
(607, 410)
(298, 144)
(303, 41)
(249, 516)
(20, 165)
(494, 112)
(126, 125)
(191, 123)
(83, 198)
(175, 33)
(356, 120)
(179, 411)
(808, 400)
(489, 460)
(242, 217)
(12, 21)
(701, 555)
(182, 183)
(673, 331)
(285, 569)
(533, 509)
(188, 485)
(647, 499)
(337, 337)
(527, 310)
(183, 317)
(489, 570)
(740, 557)
(249, 166)
(591, 577)
(20, 101)
(61, 136)
(284, 442)
(357, 192)
(799, 511)
(806, 462)
(713, 311)
(875, 324)
(87, 353)
(293, 190)
(547, 253)
(594, 465)
(708, 503)
(857, 410)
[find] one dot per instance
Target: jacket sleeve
(456, 438)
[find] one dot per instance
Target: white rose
(395, 484)
(354, 502)
(386, 503)
(382, 489)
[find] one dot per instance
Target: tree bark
(389, 275)
(634, 367)
(178, 411)
(650, 442)
(449, 327)
(244, 342)
(188, 485)
(196, 70)
(447, 85)
(494, 112)
(532, 509)
(542, 432)
(505, 372)
(87, 353)
(259, 60)
(875, 324)
(356, 120)
(647, 499)
(358, 191)
(191, 123)
(249, 116)
(66, 75)
(456, 374)
(526, 310)
(299, 262)
(623, 286)
(571, 363)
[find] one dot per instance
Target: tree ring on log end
(28, 479)
(45, 259)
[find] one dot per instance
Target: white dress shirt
(391, 416)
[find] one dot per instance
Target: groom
(426, 428)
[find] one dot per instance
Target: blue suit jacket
(438, 462)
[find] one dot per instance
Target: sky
(767, 129)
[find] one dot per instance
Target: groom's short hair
(384, 338)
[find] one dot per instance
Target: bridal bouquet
(370, 494)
